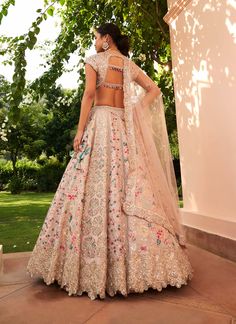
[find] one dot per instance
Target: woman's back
(109, 66)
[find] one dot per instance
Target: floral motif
(71, 196)
(92, 237)
(143, 248)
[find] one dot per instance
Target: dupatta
(148, 127)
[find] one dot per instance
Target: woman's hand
(77, 140)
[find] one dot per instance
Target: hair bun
(123, 44)
(121, 41)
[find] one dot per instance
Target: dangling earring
(105, 45)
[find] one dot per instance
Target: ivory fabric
(106, 230)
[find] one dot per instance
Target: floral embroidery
(139, 191)
(159, 233)
(143, 248)
(81, 157)
(71, 196)
(132, 236)
(88, 238)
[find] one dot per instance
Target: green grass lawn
(21, 219)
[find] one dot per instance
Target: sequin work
(94, 238)
(87, 243)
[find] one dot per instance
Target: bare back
(109, 86)
(110, 92)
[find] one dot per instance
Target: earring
(105, 45)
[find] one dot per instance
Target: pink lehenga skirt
(87, 243)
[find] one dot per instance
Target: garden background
(39, 115)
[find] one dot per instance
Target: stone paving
(209, 298)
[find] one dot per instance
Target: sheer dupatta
(150, 125)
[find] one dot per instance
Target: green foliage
(142, 21)
(19, 82)
(23, 138)
(6, 172)
(41, 175)
(49, 175)
(15, 184)
(4, 8)
(5, 89)
(59, 130)
(46, 126)
(50, 11)
(25, 175)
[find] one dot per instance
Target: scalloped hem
(102, 295)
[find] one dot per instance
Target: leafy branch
(25, 41)
(4, 9)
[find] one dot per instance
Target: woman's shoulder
(132, 62)
(100, 55)
(94, 56)
(90, 57)
(94, 59)
(97, 59)
(134, 68)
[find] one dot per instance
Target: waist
(109, 108)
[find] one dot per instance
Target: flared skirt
(87, 243)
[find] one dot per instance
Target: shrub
(15, 184)
(49, 175)
(30, 175)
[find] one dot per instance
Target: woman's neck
(113, 49)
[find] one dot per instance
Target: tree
(25, 136)
(64, 109)
(46, 126)
(141, 20)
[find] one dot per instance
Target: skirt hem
(102, 295)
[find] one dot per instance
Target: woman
(113, 225)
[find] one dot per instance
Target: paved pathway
(210, 298)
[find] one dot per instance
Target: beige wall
(203, 41)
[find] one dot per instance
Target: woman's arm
(150, 86)
(88, 96)
(86, 103)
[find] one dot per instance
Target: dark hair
(121, 41)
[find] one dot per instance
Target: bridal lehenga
(114, 225)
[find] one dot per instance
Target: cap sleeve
(135, 69)
(92, 61)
